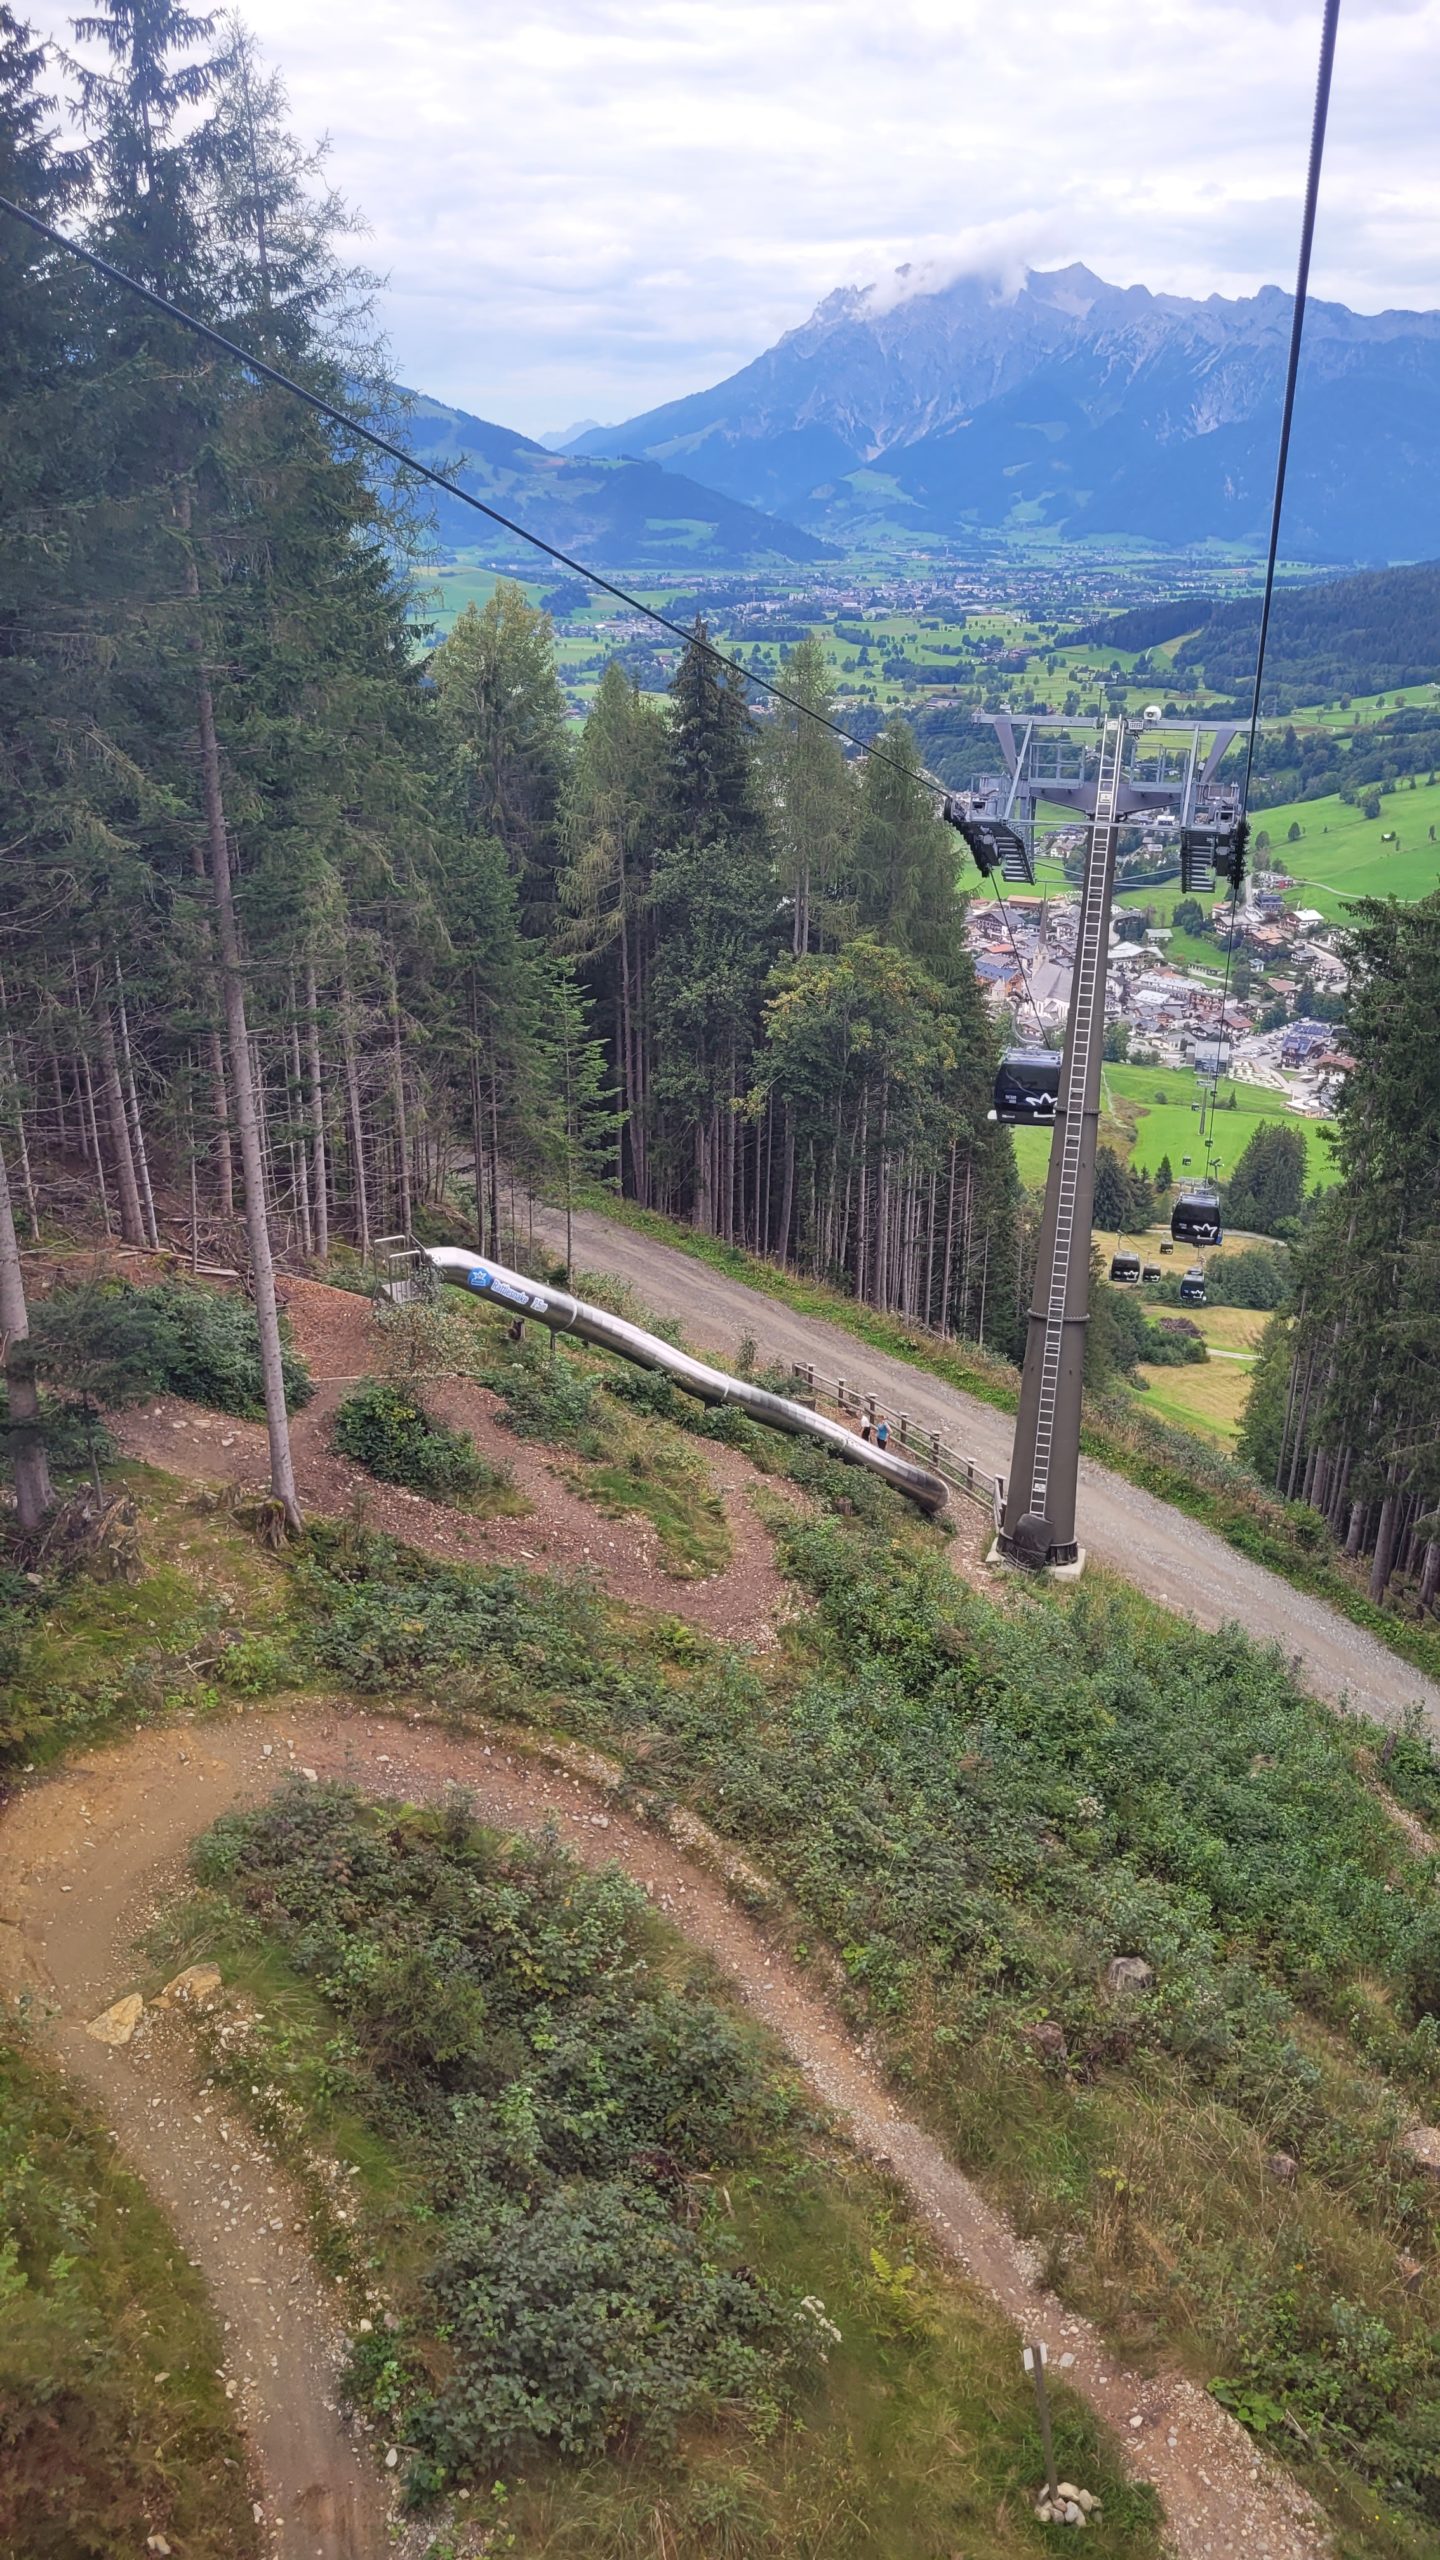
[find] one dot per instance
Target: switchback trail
(1165, 1554)
(90, 1853)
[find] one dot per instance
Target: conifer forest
(323, 929)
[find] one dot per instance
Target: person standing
(882, 1435)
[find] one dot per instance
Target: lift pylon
(1037, 1523)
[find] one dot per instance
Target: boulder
(1282, 2168)
(117, 2024)
(1411, 2272)
(1423, 2144)
(197, 1986)
(1129, 1973)
(1048, 2037)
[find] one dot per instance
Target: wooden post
(1035, 2361)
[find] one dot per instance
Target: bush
(563, 2112)
(1258, 1276)
(390, 1434)
(107, 1342)
(1174, 1343)
(76, 1442)
(546, 1395)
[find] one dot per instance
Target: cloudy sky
(583, 207)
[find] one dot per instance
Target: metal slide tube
(564, 1314)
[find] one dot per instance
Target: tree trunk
(137, 1126)
(92, 1128)
(948, 1265)
(29, 1465)
(402, 1130)
(257, 1228)
(357, 1134)
(299, 1171)
(1430, 1574)
(26, 1181)
(787, 1188)
(319, 1169)
(132, 1222)
(1384, 1544)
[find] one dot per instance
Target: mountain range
(611, 513)
(1071, 406)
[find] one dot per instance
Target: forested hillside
(609, 512)
(308, 938)
(1345, 1411)
(1367, 634)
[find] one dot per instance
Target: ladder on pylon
(1090, 962)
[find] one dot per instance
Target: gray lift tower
(1133, 771)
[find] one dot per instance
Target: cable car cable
(396, 453)
(1329, 27)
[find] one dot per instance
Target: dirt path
(90, 1852)
(1165, 1554)
(337, 1333)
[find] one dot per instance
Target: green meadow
(1150, 1112)
(1342, 855)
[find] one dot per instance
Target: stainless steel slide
(564, 1314)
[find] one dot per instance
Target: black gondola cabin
(1195, 1218)
(1192, 1287)
(1027, 1087)
(1125, 1268)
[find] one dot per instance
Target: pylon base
(1069, 1569)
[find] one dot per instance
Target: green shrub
(564, 2111)
(107, 1342)
(380, 1614)
(1174, 1344)
(546, 1394)
(76, 1441)
(1257, 1276)
(387, 1430)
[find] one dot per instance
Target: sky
(584, 207)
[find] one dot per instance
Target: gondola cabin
(1152, 1270)
(1027, 1087)
(1125, 1269)
(1192, 1287)
(1195, 1218)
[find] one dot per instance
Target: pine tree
(502, 703)
(611, 819)
(813, 797)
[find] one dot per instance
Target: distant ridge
(1375, 633)
(1073, 405)
(613, 514)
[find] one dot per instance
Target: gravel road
(1163, 1553)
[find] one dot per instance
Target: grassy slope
(113, 2420)
(913, 2434)
(1340, 854)
(976, 1803)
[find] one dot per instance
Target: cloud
(588, 206)
(999, 254)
